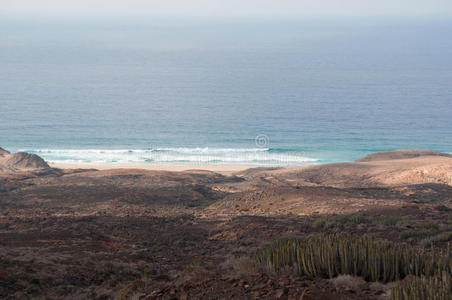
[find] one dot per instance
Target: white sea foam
(183, 155)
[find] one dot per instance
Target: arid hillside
(140, 234)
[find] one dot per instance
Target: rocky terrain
(22, 162)
(139, 234)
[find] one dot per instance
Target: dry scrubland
(378, 228)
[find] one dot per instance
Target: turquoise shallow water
(255, 92)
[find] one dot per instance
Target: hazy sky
(233, 7)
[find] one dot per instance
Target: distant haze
(233, 7)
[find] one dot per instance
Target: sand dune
(381, 169)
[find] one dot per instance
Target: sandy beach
(160, 167)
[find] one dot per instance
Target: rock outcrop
(400, 154)
(3, 152)
(22, 161)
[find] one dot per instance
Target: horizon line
(107, 14)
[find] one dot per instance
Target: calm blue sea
(223, 91)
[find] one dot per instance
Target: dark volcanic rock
(401, 154)
(3, 152)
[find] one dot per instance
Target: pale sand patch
(174, 168)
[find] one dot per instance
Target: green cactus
(424, 288)
(328, 255)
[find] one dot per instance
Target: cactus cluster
(329, 255)
(424, 288)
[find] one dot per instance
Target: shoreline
(172, 168)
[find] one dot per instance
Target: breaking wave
(177, 156)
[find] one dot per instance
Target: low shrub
(352, 220)
(421, 233)
(348, 281)
(429, 226)
(339, 221)
(437, 239)
(388, 220)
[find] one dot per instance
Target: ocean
(237, 91)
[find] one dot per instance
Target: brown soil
(137, 234)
